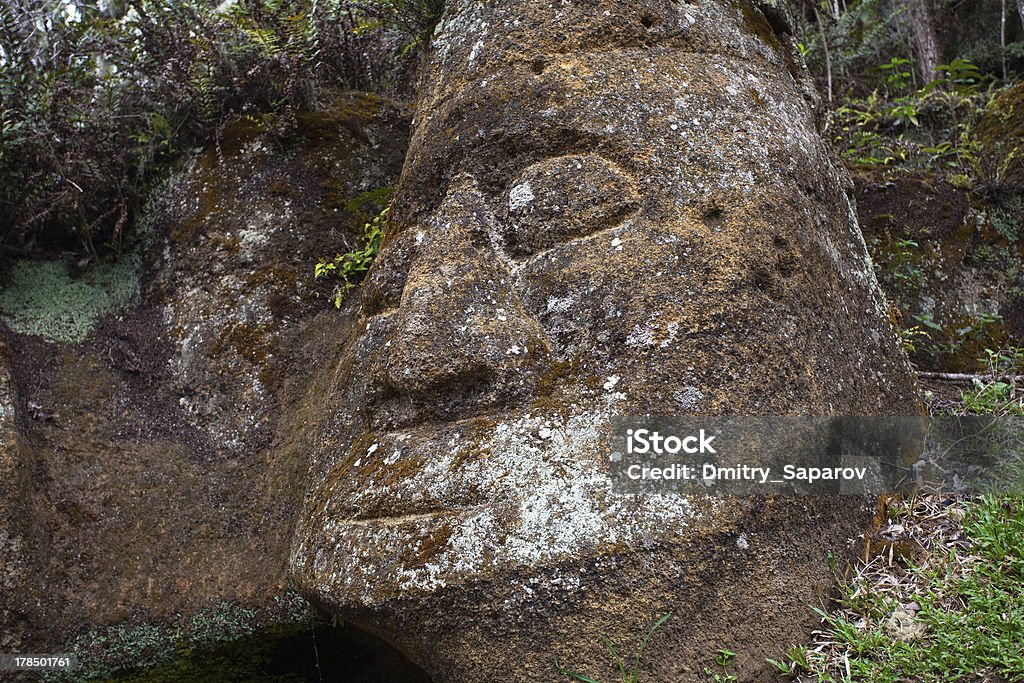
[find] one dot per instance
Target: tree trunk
(1002, 36)
(917, 18)
(828, 56)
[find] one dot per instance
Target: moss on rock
(44, 299)
(1001, 134)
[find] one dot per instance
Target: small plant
(910, 338)
(904, 113)
(996, 392)
(631, 676)
(961, 75)
(903, 264)
(928, 321)
(1008, 360)
(349, 267)
(897, 75)
(797, 660)
(722, 659)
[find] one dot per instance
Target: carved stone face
(581, 230)
(479, 396)
(481, 443)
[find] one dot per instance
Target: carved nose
(460, 342)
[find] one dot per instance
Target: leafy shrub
(932, 127)
(349, 268)
(95, 97)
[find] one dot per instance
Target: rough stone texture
(15, 492)
(1000, 132)
(166, 472)
(606, 208)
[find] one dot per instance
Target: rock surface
(949, 251)
(15, 492)
(606, 208)
(166, 472)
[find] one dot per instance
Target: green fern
(348, 268)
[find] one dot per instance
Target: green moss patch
(1000, 133)
(43, 299)
(227, 643)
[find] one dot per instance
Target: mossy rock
(1001, 134)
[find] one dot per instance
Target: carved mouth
(409, 518)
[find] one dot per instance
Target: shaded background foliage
(907, 83)
(95, 96)
(98, 95)
(846, 41)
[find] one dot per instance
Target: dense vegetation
(907, 81)
(95, 95)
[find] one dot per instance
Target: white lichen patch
(559, 304)
(688, 398)
(205, 331)
(520, 197)
(547, 495)
(253, 238)
(475, 52)
(653, 333)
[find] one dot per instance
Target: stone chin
(418, 511)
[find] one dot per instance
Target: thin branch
(967, 377)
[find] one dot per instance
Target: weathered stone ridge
(606, 208)
(156, 465)
(15, 492)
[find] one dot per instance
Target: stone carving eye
(565, 198)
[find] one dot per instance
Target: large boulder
(607, 208)
(166, 471)
(1000, 131)
(950, 262)
(15, 492)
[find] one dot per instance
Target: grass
(941, 598)
(633, 674)
(953, 613)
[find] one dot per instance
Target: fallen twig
(967, 377)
